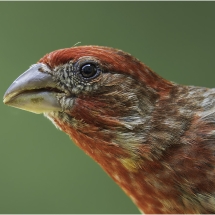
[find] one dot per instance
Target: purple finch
(155, 138)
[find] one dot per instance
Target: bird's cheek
(67, 103)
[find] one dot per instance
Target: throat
(129, 160)
(140, 178)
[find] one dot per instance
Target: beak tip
(5, 101)
(7, 96)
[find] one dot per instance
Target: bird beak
(34, 91)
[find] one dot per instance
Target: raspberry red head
(153, 137)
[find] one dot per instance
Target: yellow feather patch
(130, 164)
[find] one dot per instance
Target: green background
(41, 170)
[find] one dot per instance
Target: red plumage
(114, 59)
(155, 138)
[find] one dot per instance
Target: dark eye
(88, 70)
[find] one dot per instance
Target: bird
(153, 137)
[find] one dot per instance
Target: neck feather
(137, 146)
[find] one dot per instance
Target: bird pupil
(88, 70)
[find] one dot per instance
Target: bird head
(109, 103)
(100, 93)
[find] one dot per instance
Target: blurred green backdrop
(41, 170)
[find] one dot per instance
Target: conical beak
(34, 91)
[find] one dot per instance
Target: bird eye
(88, 70)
